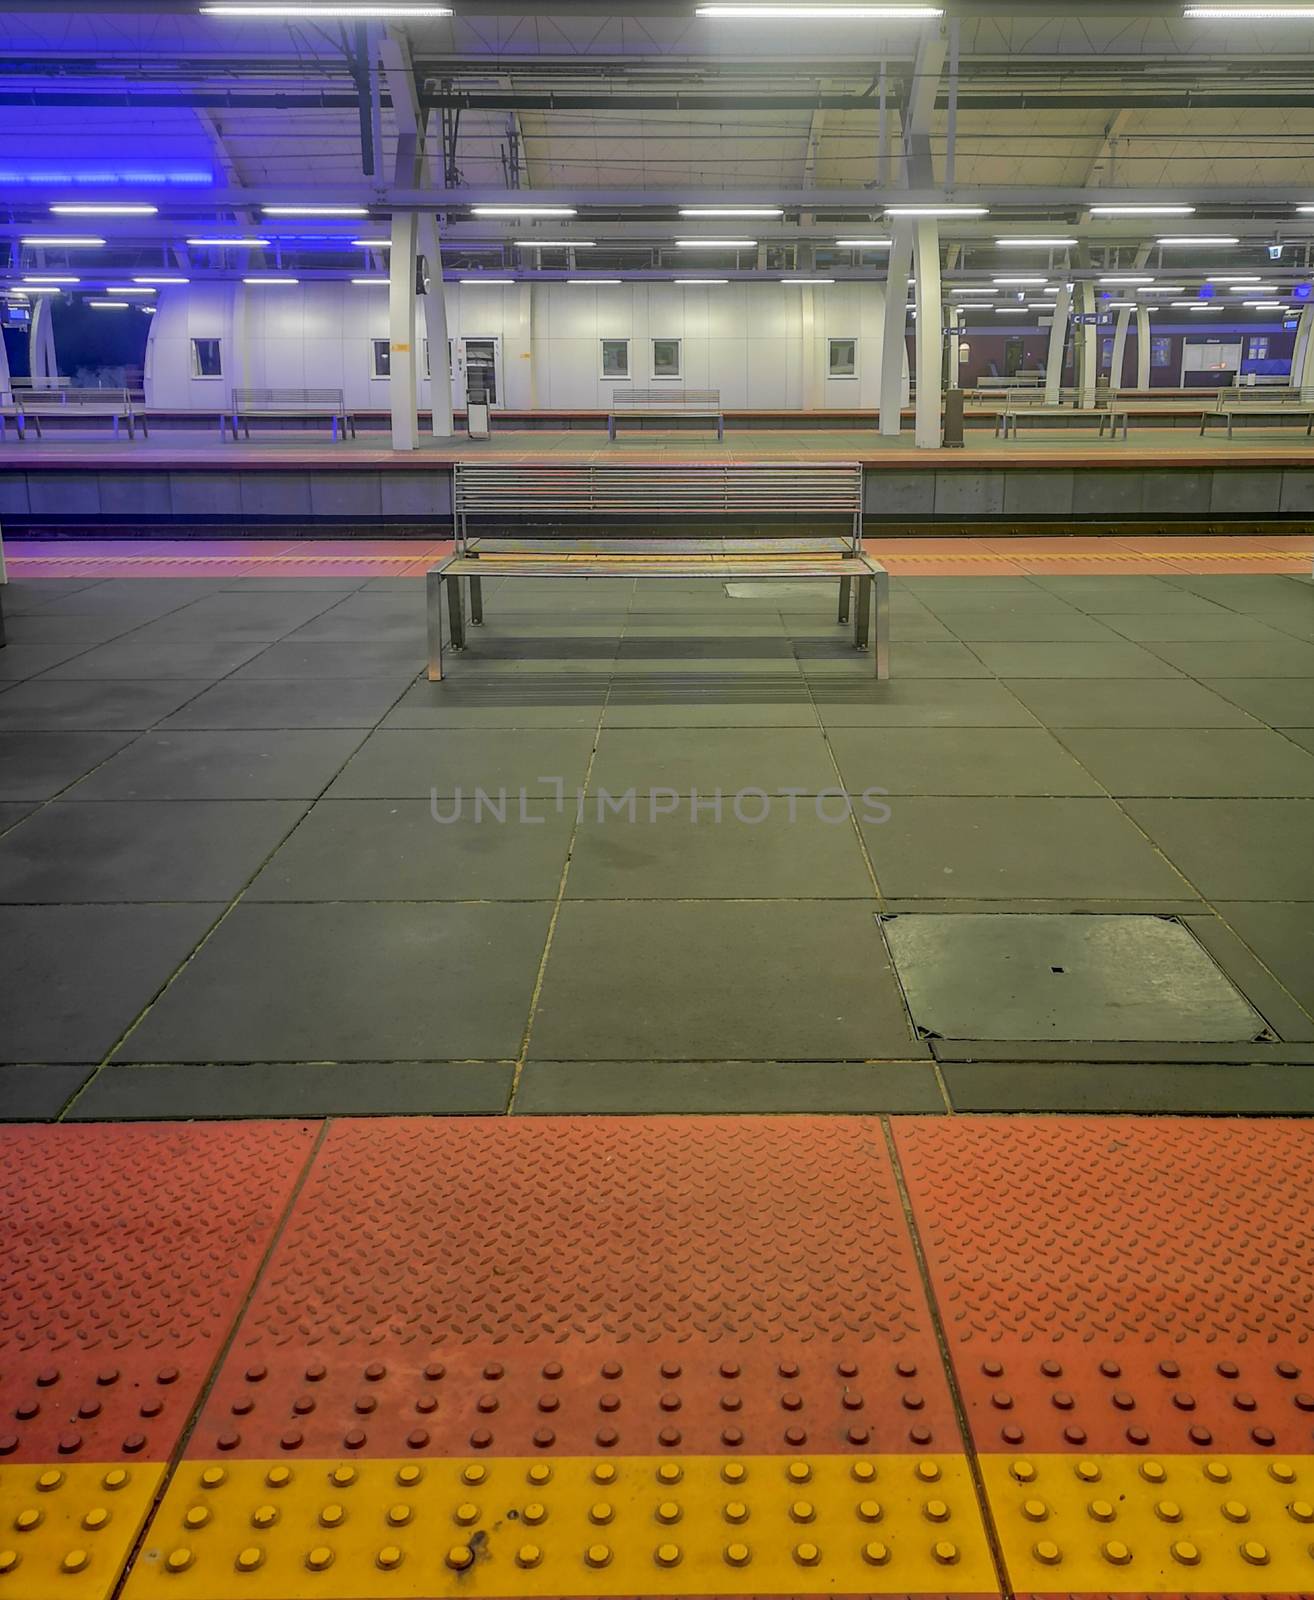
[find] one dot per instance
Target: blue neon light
(115, 175)
(1301, 292)
(1206, 291)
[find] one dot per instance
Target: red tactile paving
(1122, 1284)
(565, 1285)
(127, 1252)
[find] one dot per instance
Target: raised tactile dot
(264, 1516)
(807, 1555)
(601, 1513)
(936, 1511)
(604, 1472)
(862, 1472)
(875, 1554)
(250, 1558)
(735, 1511)
(1047, 1552)
(738, 1555)
(8, 1560)
(1287, 1369)
(1168, 1511)
(1235, 1511)
(1102, 1510)
(1022, 1471)
(95, 1519)
(534, 1513)
(802, 1511)
(409, 1475)
(539, 1473)
(870, 1510)
(212, 1477)
(528, 1555)
(667, 1555)
(1185, 1552)
(319, 1557)
(798, 1472)
(1254, 1553)
(669, 1472)
(1087, 1471)
(343, 1476)
(28, 1519)
(928, 1471)
(331, 1516)
(388, 1558)
(734, 1472)
(196, 1516)
(278, 1477)
(115, 1478)
(1035, 1510)
(945, 1552)
(179, 1560)
(598, 1555)
(668, 1511)
(1153, 1472)
(459, 1557)
(473, 1473)
(1218, 1472)
(1301, 1510)
(1116, 1552)
(400, 1514)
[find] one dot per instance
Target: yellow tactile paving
(1162, 1524)
(68, 1530)
(700, 1525)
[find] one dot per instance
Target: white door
(478, 365)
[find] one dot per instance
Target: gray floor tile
(709, 758)
(35, 766)
(1113, 703)
(20, 661)
(916, 661)
(1194, 761)
(953, 606)
(1235, 849)
(23, 596)
(946, 761)
(920, 703)
(1017, 849)
(1304, 737)
(338, 586)
(152, 654)
(1075, 661)
(1281, 702)
(238, 614)
(1190, 627)
(395, 850)
(1260, 1090)
(121, 1092)
(1034, 625)
(77, 976)
(14, 811)
(38, 1092)
(715, 980)
(675, 857)
(1278, 658)
(655, 1088)
(58, 705)
(550, 702)
(57, 627)
(1282, 936)
(288, 703)
(397, 762)
(260, 764)
(699, 709)
(141, 850)
(353, 982)
(397, 659)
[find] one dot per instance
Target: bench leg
(476, 600)
(611, 430)
(882, 624)
(862, 615)
(845, 597)
(433, 616)
(720, 430)
(455, 613)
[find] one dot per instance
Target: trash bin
(953, 419)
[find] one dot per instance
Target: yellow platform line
(588, 1526)
(69, 1530)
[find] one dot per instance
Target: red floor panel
(1123, 1283)
(128, 1252)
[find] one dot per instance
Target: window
(380, 358)
(615, 358)
(1161, 352)
(843, 358)
(666, 358)
(207, 361)
(1259, 348)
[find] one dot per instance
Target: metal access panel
(1064, 976)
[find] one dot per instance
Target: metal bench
(1033, 403)
(1119, 412)
(31, 405)
(665, 402)
(1263, 402)
(291, 403)
(778, 523)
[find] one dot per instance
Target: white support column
(1088, 346)
(894, 348)
(1120, 329)
(401, 332)
(42, 362)
(1142, 347)
(954, 323)
(1302, 356)
(435, 327)
(930, 341)
(4, 364)
(1058, 334)
(808, 335)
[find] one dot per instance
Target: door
(480, 363)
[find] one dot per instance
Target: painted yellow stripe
(1166, 1524)
(578, 1526)
(68, 1530)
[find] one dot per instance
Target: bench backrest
(1266, 395)
(286, 399)
(1022, 399)
(768, 499)
(666, 399)
(71, 399)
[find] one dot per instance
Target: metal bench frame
(659, 402)
(288, 402)
(787, 498)
(1262, 401)
(29, 405)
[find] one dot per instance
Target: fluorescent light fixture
(482, 281)
(716, 244)
(161, 280)
(1121, 305)
(377, 281)
(1196, 305)
(109, 305)
(39, 288)
(593, 281)
(126, 288)
(822, 12)
(974, 291)
(1125, 282)
(1018, 280)
(233, 244)
(372, 244)
(51, 278)
(1142, 211)
(1250, 13)
(863, 244)
(937, 211)
(273, 282)
(68, 241)
(1305, 210)
(732, 211)
(1011, 311)
(1034, 244)
(98, 208)
(807, 280)
(1164, 288)
(554, 244)
(691, 283)
(1251, 278)
(315, 211)
(524, 211)
(1253, 286)
(1184, 238)
(1265, 305)
(291, 10)
(148, 311)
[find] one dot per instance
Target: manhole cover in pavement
(1067, 976)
